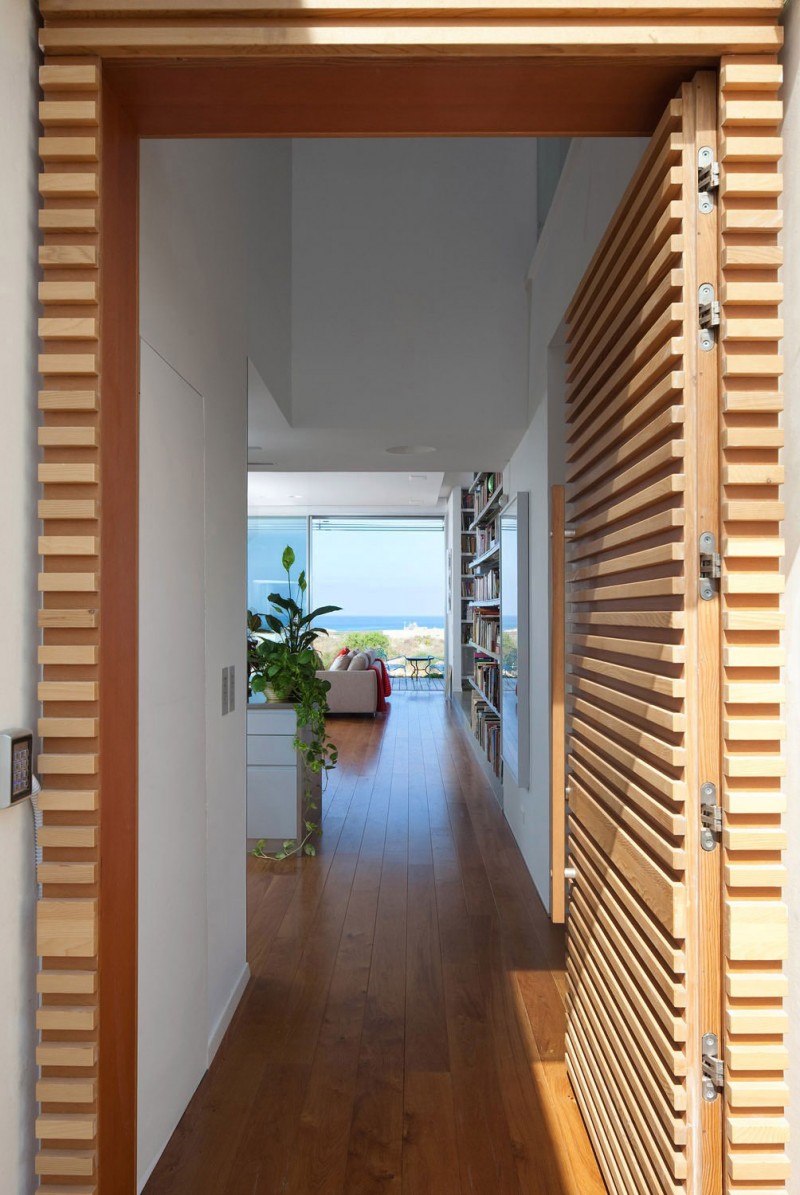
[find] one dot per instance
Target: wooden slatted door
(643, 662)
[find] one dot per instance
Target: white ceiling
(344, 493)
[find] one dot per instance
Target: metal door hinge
(710, 566)
(710, 817)
(713, 1068)
(707, 179)
(707, 316)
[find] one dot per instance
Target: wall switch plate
(225, 690)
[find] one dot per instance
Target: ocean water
(379, 622)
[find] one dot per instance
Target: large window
(266, 540)
(387, 574)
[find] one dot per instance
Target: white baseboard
(226, 1016)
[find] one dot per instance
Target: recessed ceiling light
(255, 447)
(295, 495)
(416, 502)
(410, 449)
(418, 477)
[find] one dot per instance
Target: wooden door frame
(441, 83)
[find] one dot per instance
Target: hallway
(403, 1029)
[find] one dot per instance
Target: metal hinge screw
(710, 816)
(713, 1068)
(708, 315)
(710, 565)
(707, 179)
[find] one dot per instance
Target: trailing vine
(285, 667)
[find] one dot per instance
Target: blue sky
(368, 567)
(381, 571)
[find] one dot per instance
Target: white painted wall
(18, 598)
(205, 297)
(594, 178)
(407, 288)
(791, 531)
(452, 545)
(173, 933)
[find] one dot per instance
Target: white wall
(204, 297)
(408, 267)
(594, 178)
(452, 544)
(173, 966)
(791, 531)
(18, 600)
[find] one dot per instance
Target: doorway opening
(118, 420)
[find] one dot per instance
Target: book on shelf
(486, 628)
(486, 539)
(487, 678)
(487, 586)
(488, 484)
(486, 728)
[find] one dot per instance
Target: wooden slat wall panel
(69, 616)
(224, 28)
(629, 441)
(755, 917)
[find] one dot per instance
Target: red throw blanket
(384, 684)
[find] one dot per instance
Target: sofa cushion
(360, 662)
(342, 662)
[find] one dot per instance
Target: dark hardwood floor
(403, 1030)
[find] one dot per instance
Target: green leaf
(318, 613)
(258, 682)
(288, 558)
(280, 855)
(310, 849)
(302, 583)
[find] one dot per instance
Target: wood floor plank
(403, 1030)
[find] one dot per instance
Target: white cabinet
(274, 775)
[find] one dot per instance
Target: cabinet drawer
(272, 802)
(271, 749)
(269, 721)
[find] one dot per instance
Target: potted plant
(284, 668)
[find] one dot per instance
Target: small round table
(420, 665)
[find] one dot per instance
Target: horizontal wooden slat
(66, 1091)
(527, 40)
(68, 328)
(67, 653)
(68, 836)
(70, 1054)
(53, 185)
(67, 765)
(67, 400)
(756, 929)
(66, 1163)
(68, 545)
(66, 928)
(51, 872)
(68, 582)
(76, 690)
(68, 219)
(68, 292)
(75, 113)
(49, 618)
(67, 149)
(66, 983)
(80, 1019)
(66, 77)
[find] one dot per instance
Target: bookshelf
(467, 544)
(481, 505)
